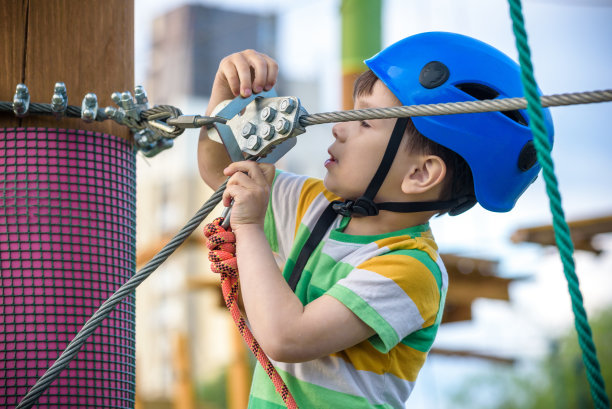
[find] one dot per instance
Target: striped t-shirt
(395, 282)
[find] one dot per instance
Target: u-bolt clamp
(21, 100)
(59, 100)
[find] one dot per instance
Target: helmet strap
(365, 206)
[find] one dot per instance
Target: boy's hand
(239, 74)
(242, 73)
(249, 189)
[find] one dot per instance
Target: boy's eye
(364, 124)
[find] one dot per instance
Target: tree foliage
(558, 381)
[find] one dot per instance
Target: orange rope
(223, 257)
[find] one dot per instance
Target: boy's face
(358, 150)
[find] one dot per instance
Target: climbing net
(155, 128)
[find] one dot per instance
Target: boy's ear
(424, 174)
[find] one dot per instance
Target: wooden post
(67, 207)
(238, 373)
(88, 45)
(184, 391)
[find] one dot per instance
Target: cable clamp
(59, 100)
(21, 101)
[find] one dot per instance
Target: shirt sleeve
(280, 221)
(395, 294)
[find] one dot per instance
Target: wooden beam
(471, 278)
(581, 231)
(465, 288)
(88, 45)
(456, 311)
(471, 354)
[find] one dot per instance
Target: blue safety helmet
(439, 67)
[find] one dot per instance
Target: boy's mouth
(332, 160)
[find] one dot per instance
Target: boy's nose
(339, 131)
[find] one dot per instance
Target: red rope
(223, 257)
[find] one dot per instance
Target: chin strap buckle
(363, 206)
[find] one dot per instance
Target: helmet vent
(482, 92)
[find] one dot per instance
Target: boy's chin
(337, 191)
(331, 187)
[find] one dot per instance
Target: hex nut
(282, 126)
(268, 114)
(248, 129)
(266, 131)
(253, 142)
(287, 105)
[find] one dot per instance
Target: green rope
(562, 233)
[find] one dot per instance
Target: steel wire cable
(47, 109)
(107, 306)
(448, 108)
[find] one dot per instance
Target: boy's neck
(386, 222)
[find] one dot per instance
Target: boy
(355, 326)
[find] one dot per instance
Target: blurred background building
(182, 317)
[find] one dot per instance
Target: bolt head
(116, 97)
(248, 129)
(266, 131)
(91, 99)
(140, 95)
(21, 90)
(268, 114)
(282, 126)
(253, 142)
(59, 88)
(57, 99)
(142, 140)
(287, 105)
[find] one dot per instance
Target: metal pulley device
(262, 126)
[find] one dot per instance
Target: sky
(570, 48)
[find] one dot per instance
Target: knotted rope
(221, 244)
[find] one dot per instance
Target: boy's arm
(286, 330)
(242, 74)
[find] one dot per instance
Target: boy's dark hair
(459, 181)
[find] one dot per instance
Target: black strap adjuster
(363, 206)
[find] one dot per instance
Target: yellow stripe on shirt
(402, 361)
(413, 277)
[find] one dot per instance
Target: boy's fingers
(227, 198)
(259, 67)
(272, 73)
(227, 71)
(248, 72)
(249, 167)
(237, 72)
(243, 68)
